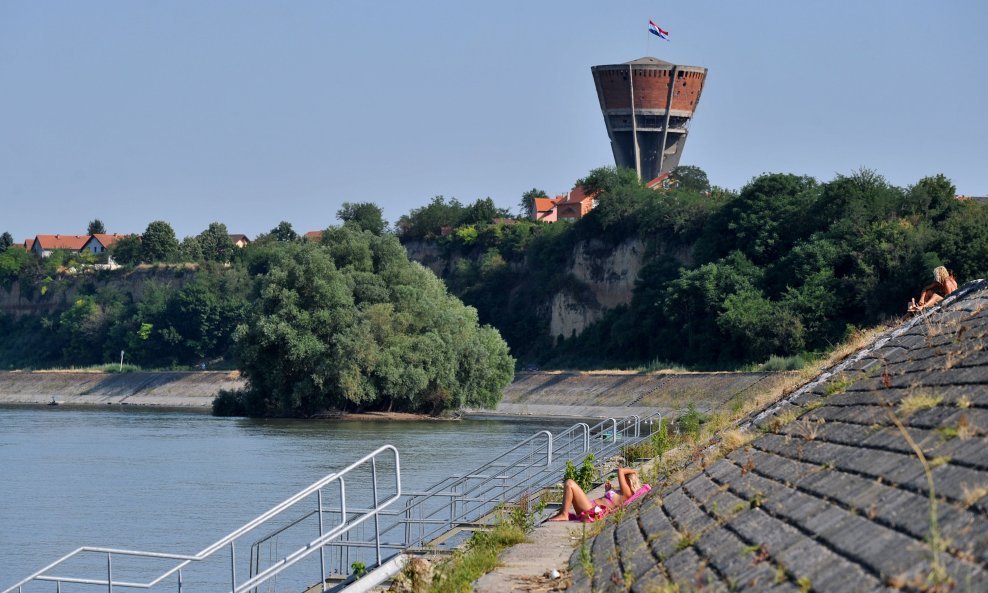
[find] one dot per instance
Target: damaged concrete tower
(648, 104)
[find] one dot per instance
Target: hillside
(699, 276)
(871, 477)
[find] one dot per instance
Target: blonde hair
(634, 482)
(940, 274)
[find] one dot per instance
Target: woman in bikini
(589, 510)
(944, 283)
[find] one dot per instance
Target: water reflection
(177, 481)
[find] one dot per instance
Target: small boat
(52, 402)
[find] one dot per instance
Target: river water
(177, 480)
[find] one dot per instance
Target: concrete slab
(523, 567)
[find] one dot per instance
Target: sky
(250, 113)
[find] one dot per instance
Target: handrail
(317, 544)
(461, 500)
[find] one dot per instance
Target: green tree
(483, 211)
(216, 244)
(691, 178)
(126, 251)
(158, 243)
(96, 227)
(526, 206)
(284, 232)
(190, 250)
(366, 216)
(764, 221)
(428, 221)
(757, 328)
(6, 241)
(352, 324)
(12, 262)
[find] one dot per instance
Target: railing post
(322, 549)
(233, 567)
(109, 573)
(180, 580)
(377, 516)
(548, 460)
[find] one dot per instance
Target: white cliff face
(610, 277)
(570, 316)
(428, 255)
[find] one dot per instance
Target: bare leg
(575, 496)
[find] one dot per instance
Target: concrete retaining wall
(539, 394)
(169, 389)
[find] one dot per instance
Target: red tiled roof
(73, 242)
(314, 235)
(544, 204)
(106, 239)
(658, 181)
(576, 196)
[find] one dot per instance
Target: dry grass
(719, 436)
(918, 401)
(971, 495)
(734, 438)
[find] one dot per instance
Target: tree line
(788, 266)
(346, 322)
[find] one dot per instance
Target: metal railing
(443, 515)
(348, 517)
(352, 538)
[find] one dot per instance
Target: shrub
(229, 402)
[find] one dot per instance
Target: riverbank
(173, 389)
(554, 394)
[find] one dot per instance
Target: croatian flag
(658, 31)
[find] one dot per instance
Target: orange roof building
(545, 209)
(45, 244)
(100, 242)
(570, 206)
(576, 204)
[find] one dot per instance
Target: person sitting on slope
(589, 510)
(943, 284)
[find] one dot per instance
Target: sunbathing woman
(588, 510)
(944, 283)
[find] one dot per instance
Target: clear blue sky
(250, 113)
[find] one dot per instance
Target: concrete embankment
(535, 394)
(166, 389)
(618, 394)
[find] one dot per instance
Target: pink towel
(638, 493)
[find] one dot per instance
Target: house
(240, 241)
(29, 244)
(100, 242)
(314, 236)
(979, 199)
(576, 204)
(571, 206)
(43, 245)
(545, 209)
(663, 181)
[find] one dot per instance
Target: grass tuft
(914, 403)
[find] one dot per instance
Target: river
(155, 479)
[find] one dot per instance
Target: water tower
(647, 106)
